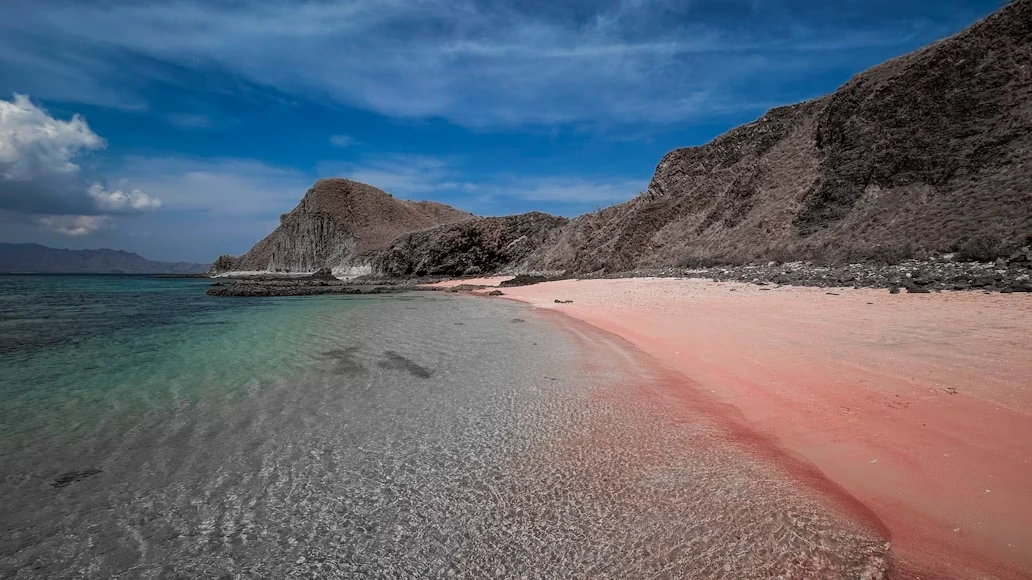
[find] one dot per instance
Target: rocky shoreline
(1005, 275)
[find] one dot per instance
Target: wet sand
(919, 406)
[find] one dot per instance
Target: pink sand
(919, 405)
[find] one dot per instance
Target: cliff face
(470, 247)
(341, 224)
(918, 155)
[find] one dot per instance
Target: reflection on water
(375, 437)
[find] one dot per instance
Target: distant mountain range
(34, 258)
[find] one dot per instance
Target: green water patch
(161, 360)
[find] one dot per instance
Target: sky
(183, 129)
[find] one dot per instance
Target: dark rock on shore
(523, 280)
(466, 288)
(496, 293)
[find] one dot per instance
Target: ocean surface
(150, 431)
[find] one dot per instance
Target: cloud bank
(40, 181)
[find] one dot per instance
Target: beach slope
(919, 405)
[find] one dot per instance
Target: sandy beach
(919, 406)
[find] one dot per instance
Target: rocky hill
(341, 224)
(469, 247)
(34, 258)
(920, 155)
(926, 154)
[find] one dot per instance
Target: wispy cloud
(190, 120)
(475, 63)
(443, 179)
(217, 187)
(342, 140)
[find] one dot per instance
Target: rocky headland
(915, 174)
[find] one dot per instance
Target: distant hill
(34, 258)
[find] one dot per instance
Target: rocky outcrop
(222, 264)
(341, 224)
(470, 247)
(914, 157)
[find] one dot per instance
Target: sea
(150, 431)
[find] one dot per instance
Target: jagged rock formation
(341, 224)
(224, 263)
(469, 247)
(916, 156)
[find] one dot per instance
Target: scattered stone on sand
(563, 301)
(939, 273)
(496, 293)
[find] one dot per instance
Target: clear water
(149, 431)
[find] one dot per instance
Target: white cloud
(341, 140)
(119, 201)
(40, 180)
(73, 225)
(32, 142)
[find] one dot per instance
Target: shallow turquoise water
(75, 347)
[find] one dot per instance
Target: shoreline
(918, 406)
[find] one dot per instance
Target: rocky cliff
(341, 224)
(920, 155)
(469, 247)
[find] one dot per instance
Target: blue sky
(183, 129)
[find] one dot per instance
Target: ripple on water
(350, 437)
